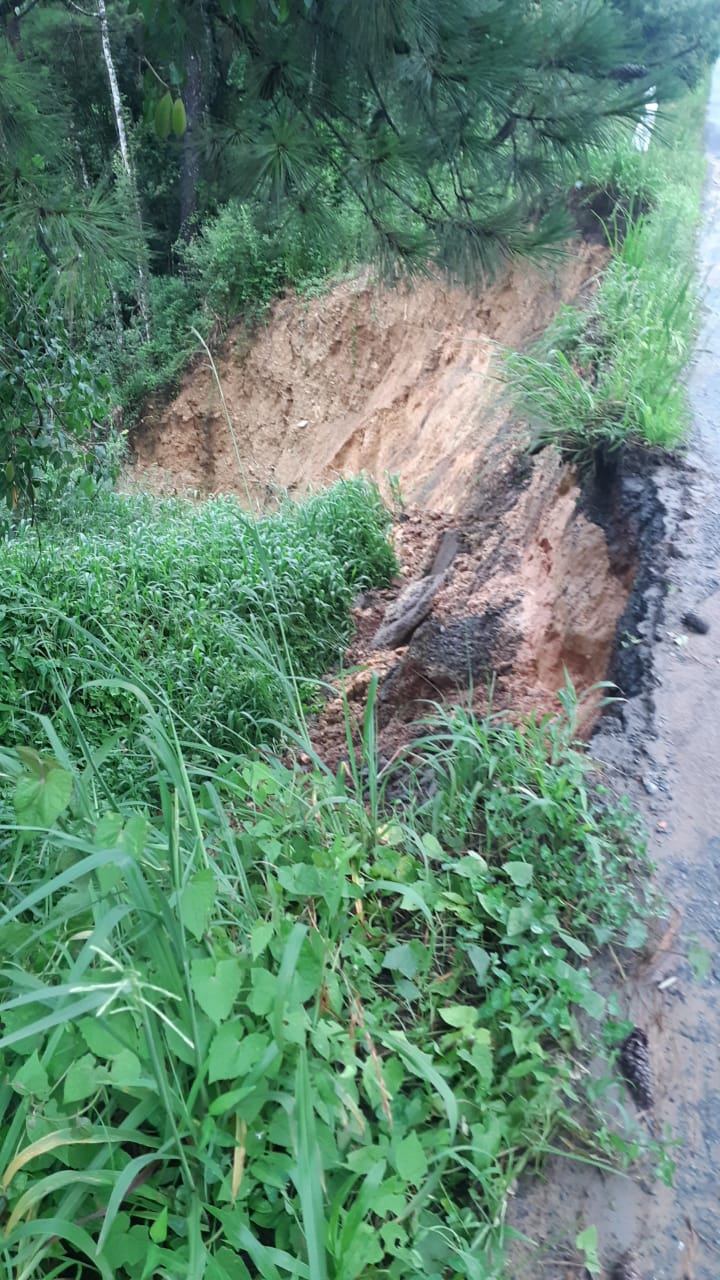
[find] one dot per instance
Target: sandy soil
(363, 378)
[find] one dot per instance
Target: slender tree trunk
(193, 100)
(14, 38)
(124, 153)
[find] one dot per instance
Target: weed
(272, 1031)
(202, 606)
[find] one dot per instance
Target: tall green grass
(222, 617)
(613, 375)
(277, 1031)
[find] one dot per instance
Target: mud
(665, 751)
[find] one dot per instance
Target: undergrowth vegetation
(612, 375)
(231, 271)
(282, 1028)
(206, 608)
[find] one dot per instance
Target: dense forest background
(168, 167)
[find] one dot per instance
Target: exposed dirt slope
(404, 382)
(363, 378)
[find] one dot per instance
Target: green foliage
(442, 122)
(54, 406)
(139, 368)
(203, 606)
(613, 374)
(265, 1033)
(680, 36)
(239, 269)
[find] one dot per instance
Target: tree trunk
(13, 36)
(124, 153)
(193, 100)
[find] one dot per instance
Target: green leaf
(432, 846)
(521, 873)
(262, 932)
(197, 902)
(32, 1078)
(40, 801)
(701, 960)
(518, 920)
(480, 961)
(410, 1160)
(636, 935)
(593, 1003)
(401, 960)
(263, 986)
(422, 1065)
(574, 944)
(216, 986)
(308, 1175)
(463, 1016)
(233, 1053)
(126, 1070)
(83, 1079)
(107, 1037)
(587, 1242)
(158, 1230)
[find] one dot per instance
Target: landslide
(508, 572)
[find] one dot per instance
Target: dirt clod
(634, 1064)
(694, 622)
(626, 1268)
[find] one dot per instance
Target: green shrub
(239, 266)
(139, 368)
(210, 610)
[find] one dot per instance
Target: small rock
(626, 1268)
(694, 622)
(634, 1062)
(650, 786)
(303, 422)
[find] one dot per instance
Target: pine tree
(454, 124)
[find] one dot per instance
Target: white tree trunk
(124, 153)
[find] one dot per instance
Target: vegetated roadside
(278, 1024)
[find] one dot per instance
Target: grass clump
(612, 375)
(278, 1031)
(215, 613)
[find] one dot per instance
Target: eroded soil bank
(519, 580)
(389, 381)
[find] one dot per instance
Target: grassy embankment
(613, 374)
(256, 1020)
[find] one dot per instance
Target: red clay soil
(404, 382)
